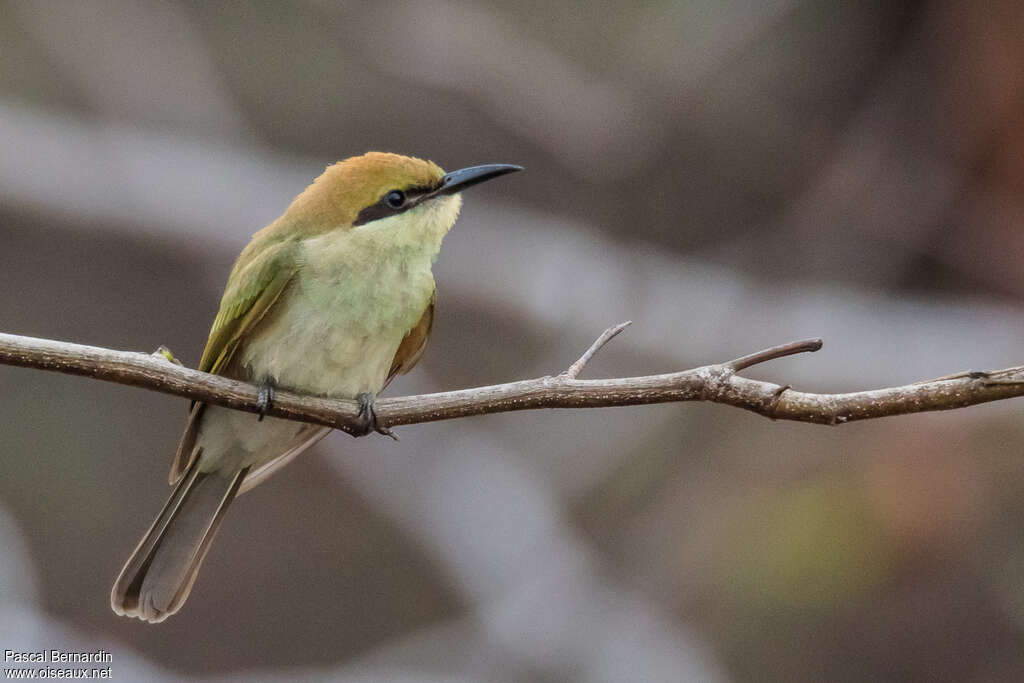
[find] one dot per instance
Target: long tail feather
(159, 575)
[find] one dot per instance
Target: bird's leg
(265, 397)
(368, 418)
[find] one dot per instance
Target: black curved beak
(457, 181)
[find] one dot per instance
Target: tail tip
(142, 609)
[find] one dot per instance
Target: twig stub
(781, 351)
(573, 371)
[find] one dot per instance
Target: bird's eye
(395, 199)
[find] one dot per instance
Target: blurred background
(728, 174)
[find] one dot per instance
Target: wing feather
(411, 349)
(253, 287)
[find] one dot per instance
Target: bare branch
(715, 383)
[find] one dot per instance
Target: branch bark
(717, 383)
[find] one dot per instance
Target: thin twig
(790, 349)
(716, 383)
(574, 370)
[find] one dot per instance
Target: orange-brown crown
(343, 189)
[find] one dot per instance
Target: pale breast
(337, 328)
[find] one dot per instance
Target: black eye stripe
(392, 203)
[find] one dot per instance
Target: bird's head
(362, 190)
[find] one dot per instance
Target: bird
(334, 298)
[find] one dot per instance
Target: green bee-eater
(334, 298)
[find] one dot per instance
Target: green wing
(251, 290)
(255, 284)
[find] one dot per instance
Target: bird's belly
(231, 439)
(338, 338)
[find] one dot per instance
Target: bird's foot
(264, 398)
(368, 418)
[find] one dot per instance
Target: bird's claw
(264, 399)
(368, 418)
